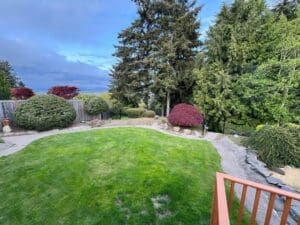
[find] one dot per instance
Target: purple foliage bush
(185, 115)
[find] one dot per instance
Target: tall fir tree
(156, 53)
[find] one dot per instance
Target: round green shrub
(149, 113)
(276, 146)
(117, 109)
(95, 106)
(134, 112)
(45, 112)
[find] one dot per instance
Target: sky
(69, 42)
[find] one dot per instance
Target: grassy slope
(109, 177)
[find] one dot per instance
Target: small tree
(66, 92)
(21, 93)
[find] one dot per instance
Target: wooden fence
(8, 107)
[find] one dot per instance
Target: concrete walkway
(232, 155)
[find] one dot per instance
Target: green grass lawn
(109, 176)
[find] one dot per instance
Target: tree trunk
(162, 109)
(168, 103)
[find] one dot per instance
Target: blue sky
(69, 42)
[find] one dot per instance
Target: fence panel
(8, 107)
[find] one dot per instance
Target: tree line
(246, 71)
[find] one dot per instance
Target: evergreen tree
(8, 72)
(156, 53)
(8, 80)
(213, 95)
(287, 8)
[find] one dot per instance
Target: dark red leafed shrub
(66, 92)
(21, 93)
(185, 115)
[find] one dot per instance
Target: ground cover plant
(110, 176)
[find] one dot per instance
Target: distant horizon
(61, 43)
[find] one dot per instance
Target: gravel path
(232, 155)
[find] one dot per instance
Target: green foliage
(276, 146)
(243, 130)
(45, 112)
(156, 54)
(213, 95)
(134, 112)
(117, 109)
(149, 113)
(85, 97)
(7, 71)
(1, 140)
(95, 106)
(106, 96)
(4, 87)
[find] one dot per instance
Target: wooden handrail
(221, 207)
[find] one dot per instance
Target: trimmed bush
(21, 93)
(149, 113)
(185, 115)
(95, 106)
(45, 112)
(117, 109)
(134, 112)
(66, 92)
(276, 146)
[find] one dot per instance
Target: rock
(176, 129)
(263, 171)
(156, 117)
(235, 135)
(197, 134)
(295, 212)
(164, 126)
(274, 181)
(187, 131)
(278, 170)
(96, 123)
(287, 188)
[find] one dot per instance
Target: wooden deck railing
(222, 205)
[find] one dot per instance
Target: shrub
(66, 92)
(185, 115)
(95, 106)
(276, 146)
(21, 93)
(1, 140)
(134, 112)
(45, 112)
(117, 109)
(243, 130)
(259, 127)
(149, 113)
(84, 97)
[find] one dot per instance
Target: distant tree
(66, 92)
(21, 93)
(12, 78)
(4, 86)
(287, 8)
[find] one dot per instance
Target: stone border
(260, 168)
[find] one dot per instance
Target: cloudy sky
(69, 42)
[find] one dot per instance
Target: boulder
(187, 131)
(176, 129)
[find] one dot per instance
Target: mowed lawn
(109, 176)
